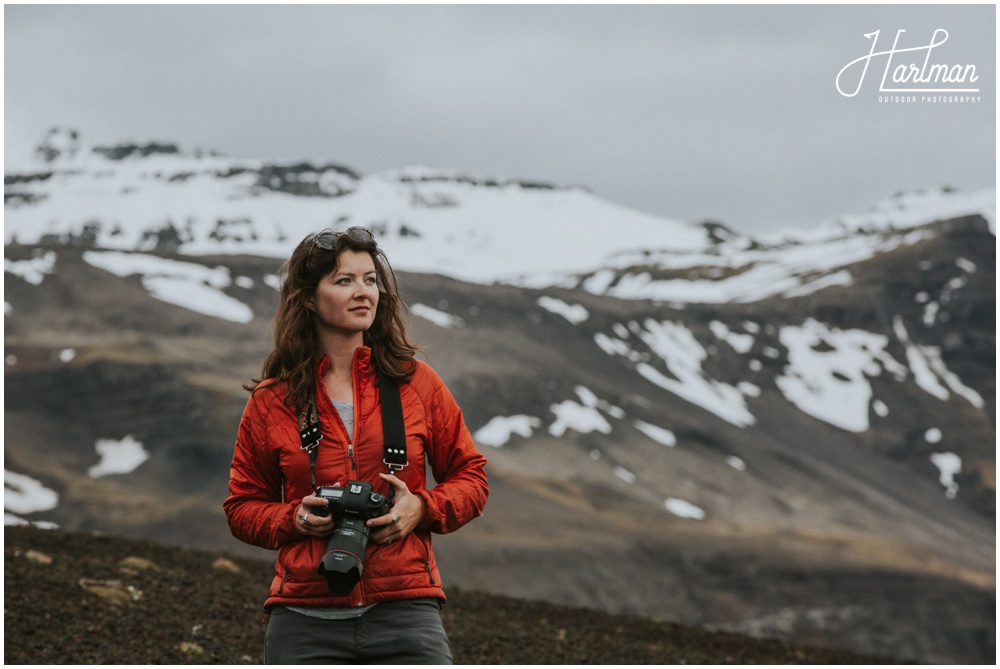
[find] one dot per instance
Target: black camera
(350, 506)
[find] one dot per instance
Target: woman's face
(347, 297)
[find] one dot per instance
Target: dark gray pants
(404, 632)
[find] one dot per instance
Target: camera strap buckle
(310, 434)
(393, 468)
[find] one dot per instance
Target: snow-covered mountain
(146, 196)
(696, 396)
(137, 197)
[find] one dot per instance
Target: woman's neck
(340, 350)
(340, 354)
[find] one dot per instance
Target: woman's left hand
(403, 517)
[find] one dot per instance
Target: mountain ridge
(481, 229)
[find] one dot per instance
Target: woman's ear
(310, 303)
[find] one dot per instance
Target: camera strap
(310, 434)
(393, 429)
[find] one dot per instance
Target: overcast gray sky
(728, 113)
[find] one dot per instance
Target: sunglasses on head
(327, 240)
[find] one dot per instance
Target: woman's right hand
(308, 523)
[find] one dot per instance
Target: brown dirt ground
(182, 606)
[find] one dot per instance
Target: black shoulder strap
(393, 430)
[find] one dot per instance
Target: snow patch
(948, 464)
(23, 495)
(625, 475)
(436, 316)
(189, 285)
(574, 313)
(930, 313)
(656, 433)
(499, 430)
(33, 270)
(841, 278)
(684, 509)
(583, 418)
(880, 408)
(683, 355)
(966, 265)
(741, 343)
(118, 456)
(828, 370)
(736, 463)
(929, 369)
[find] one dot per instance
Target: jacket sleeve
(458, 467)
(255, 509)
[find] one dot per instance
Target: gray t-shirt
(346, 411)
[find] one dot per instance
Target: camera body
(350, 507)
(357, 499)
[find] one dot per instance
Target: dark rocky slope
(75, 598)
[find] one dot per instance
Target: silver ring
(304, 518)
(388, 541)
(395, 518)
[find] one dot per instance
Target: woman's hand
(308, 523)
(403, 517)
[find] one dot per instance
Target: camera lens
(345, 554)
(344, 560)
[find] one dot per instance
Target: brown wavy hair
(296, 348)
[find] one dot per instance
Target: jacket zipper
(350, 450)
(352, 437)
(350, 454)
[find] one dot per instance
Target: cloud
(694, 112)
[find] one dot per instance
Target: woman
(339, 325)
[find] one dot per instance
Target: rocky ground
(76, 598)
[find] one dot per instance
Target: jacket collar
(362, 361)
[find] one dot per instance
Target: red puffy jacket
(270, 475)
